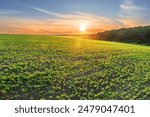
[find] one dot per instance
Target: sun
(82, 28)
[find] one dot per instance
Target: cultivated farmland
(54, 67)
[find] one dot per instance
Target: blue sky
(68, 16)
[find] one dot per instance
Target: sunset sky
(71, 16)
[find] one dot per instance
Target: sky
(71, 16)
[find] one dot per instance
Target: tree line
(139, 35)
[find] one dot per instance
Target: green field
(53, 67)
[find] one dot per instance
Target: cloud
(58, 23)
(76, 18)
(5, 11)
(130, 10)
(34, 26)
(129, 5)
(49, 13)
(131, 14)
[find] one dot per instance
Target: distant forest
(139, 35)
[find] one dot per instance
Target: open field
(49, 67)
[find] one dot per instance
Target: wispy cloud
(62, 23)
(131, 14)
(75, 18)
(58, 23)
(6, 11)
(130, 10)
(48, 12)
(75, 15)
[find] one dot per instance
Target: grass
(53, 67)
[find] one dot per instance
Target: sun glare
(82, 28)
